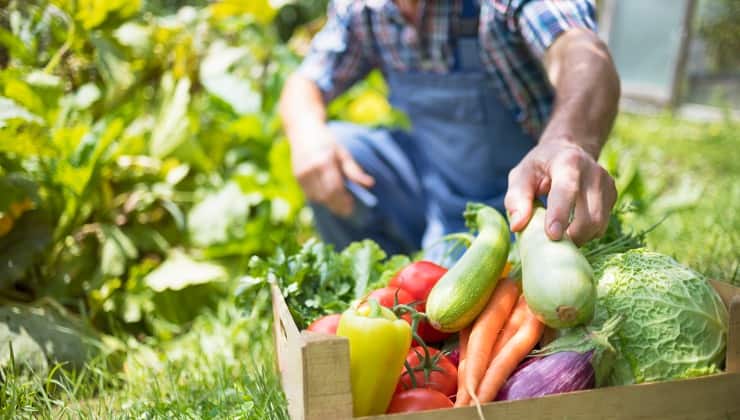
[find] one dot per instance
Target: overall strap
(466, 20)
(374, 48)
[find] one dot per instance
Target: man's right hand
(321, 165)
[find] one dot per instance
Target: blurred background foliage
(141, 153)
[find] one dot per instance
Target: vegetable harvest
(636, 316)
(560, 372)
(378, 343)
(672, 323)
(512, 353)
(485, 331)
(428, 369)
(675, 324)
(557, 279)
(463, 292)
(484, 372)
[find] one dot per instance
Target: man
(509, 101)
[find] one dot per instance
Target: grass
(222, 367)
(688, 174)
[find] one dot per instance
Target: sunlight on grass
(688, 174)
(221, 368)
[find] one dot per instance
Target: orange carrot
(485, 330)
(513, 352)
(515, 321)
(462, 398)
(506, 270)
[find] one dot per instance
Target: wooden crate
(314, 369)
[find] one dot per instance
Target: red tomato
(418, 399)
(418, 278)
(443, 380)
(428, 333)
(326, 324)
(387, 297)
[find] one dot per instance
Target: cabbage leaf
(674, 323)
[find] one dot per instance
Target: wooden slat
(289, 351)
(709, 397)
(733, 338)
(314, 368)
(726, 291)
(731, 297)
(328, 387)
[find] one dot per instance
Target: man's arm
(563, 164)
(319, 163)
(587, 90)
(336, 61)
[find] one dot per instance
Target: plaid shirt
(361, 35)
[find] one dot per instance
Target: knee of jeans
(354, 138)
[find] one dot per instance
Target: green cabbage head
(674, 324)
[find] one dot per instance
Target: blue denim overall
(463, 143)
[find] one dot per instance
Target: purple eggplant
(565, 371)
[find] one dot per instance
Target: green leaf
(45, 335)
(17, 187)
(86, 95)
(231, 206)
(15, 46)
(33, 231)
(93, 13)
(135, 36)
(116, 250)
(22, 93)
(364, 260)
(27, 354)
(10, 110)
(171, 128)
(147, 239)
(114, 68)
(180, 271)
(237, 92)
(96, 142)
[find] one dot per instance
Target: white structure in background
(664, 62)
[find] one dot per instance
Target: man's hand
(321, 165)
(573, 180)
(563, 165)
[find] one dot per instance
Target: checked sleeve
(539, 22)
(338, 56)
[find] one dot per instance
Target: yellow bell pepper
(378, 344)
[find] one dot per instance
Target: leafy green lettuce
(674, 324)
(316, 280)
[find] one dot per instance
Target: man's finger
(561, 200)
(337, 198)
(605, 196)
(589, 216)
(523, 185)
(352, 170)
(583, 226)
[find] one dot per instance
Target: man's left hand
(573, 181)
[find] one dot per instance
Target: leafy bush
(136, 145)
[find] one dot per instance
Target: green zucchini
(462, 293)
(557, 280)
